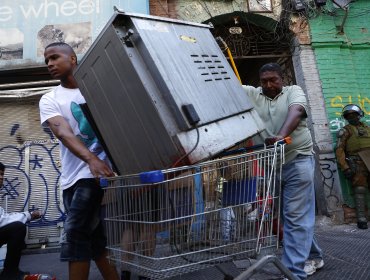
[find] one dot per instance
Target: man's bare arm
(63, 131)
(295, 114)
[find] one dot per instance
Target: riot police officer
(352, 151)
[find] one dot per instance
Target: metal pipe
(233, 64)
(230, 57)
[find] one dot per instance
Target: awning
(26, 90)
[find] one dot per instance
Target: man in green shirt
(284, 112)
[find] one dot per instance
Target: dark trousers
(13, 235)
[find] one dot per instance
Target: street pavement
(346, 255)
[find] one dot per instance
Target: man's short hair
(64, 45)
(2, 166)
(59, 44)
(271, 67)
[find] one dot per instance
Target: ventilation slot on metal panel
(210, 67)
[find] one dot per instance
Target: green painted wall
(343, 60)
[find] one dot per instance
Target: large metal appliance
(162, 93)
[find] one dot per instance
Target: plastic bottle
(39, 277)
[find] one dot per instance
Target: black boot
(360, 202)
(362, 225)
(125, 275)
(13, 275)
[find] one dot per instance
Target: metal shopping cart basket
(165, 223)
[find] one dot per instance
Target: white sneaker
(311, 266)
(319, 263)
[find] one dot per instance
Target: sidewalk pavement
(346, 255)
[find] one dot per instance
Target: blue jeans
(298, 209)
(83, 238)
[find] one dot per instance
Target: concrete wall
(328, 192)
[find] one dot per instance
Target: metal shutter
(31, 155)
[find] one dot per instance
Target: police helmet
(350, 108)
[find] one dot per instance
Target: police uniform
(352, 139)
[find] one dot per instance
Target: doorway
(255, 40)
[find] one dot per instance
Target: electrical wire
(192, 150)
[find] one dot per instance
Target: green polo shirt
(273, 113)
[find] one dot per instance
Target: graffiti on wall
(328, 167)
(31, 177)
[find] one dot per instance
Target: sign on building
(27, 26)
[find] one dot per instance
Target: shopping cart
(166, 223)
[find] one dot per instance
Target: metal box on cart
(158, 89)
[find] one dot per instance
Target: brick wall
(343, 63)
(163, 8)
